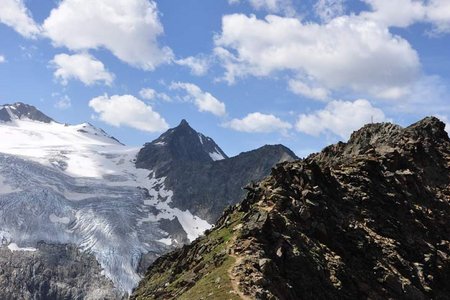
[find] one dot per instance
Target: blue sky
(303, 73)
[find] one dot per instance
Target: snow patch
(200, 136)
(166, 241)
(216, 156)
(192, 225)
(13, 247)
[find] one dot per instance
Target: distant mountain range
(366, 219)
(82, 215)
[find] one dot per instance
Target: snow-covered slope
(75, 184)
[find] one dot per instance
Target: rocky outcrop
(53, 271)
(359, 220)
(202, 177)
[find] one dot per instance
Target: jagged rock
(367, 219)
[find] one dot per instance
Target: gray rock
(54, 271)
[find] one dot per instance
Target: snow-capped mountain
(76, 185)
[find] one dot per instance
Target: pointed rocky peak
(19, 110)
(186, 143)
(181, 143)
(184, 123)
(182, 131)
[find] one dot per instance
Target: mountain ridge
(363, 219)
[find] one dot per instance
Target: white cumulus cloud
(259, 123)
(127, 110)
(438, 12)
(2, 59)
(347, 52)
(127, 28)
(83, 67)
(340, 118)
(15, 14)
(400, 13)
(403, 13)
(300, 88)
(151, 94)
(204, 101)
(272, 6)
(199, 65)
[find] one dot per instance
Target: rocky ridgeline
(365, 219)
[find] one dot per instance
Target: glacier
(75, 184)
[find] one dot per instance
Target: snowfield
(75, 184)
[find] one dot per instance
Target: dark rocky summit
(367, 219)
(176, 146)
(19, 110)
(202, 183)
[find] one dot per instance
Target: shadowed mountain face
(178, 145)
(203, 179)
(359, 220)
